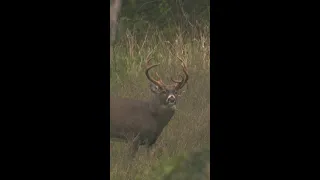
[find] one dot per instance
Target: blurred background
(167, 29)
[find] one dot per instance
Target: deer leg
(149, 150)
(134, 146)
(150, 147)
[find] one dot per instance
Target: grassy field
(189, 130)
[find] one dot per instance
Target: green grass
(189, 130)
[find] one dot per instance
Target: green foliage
(189, 166)
(164, 7)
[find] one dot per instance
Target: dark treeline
(163, 14)
(164, 11)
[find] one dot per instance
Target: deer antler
(159, 82)
(177, 81)
(159, 78)
(181, 83)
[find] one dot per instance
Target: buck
(141, 122)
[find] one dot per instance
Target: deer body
(141, 122)
(144, 120)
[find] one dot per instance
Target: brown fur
(138, 122)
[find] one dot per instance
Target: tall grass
(189, 130)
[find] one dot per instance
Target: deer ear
(154, 88)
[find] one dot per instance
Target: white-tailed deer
(141, 122)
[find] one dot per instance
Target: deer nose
(171, 99)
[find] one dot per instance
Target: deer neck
(160, 111)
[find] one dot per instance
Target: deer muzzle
(171, 99)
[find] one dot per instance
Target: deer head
(166, 94)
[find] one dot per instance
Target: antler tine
(178, 81)
(148, 58)
(184, 69)
(159, 82)
(157, 75)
